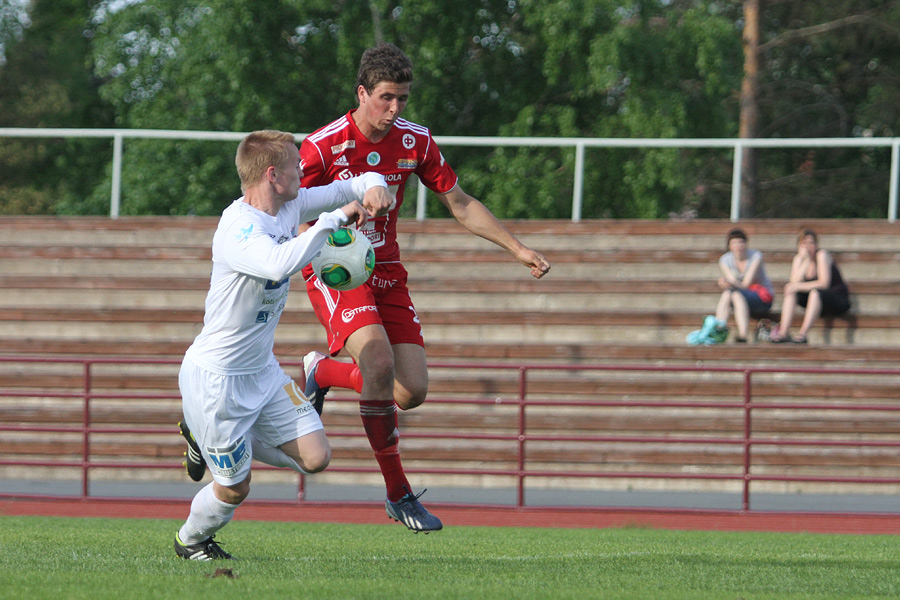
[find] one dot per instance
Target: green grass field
(66, 558)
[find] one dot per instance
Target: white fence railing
(580, 144)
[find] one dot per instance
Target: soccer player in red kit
(377, 322)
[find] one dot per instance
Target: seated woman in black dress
(815, 284)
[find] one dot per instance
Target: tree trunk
(376, 22)
(749, 114)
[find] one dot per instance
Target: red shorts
(383, 300)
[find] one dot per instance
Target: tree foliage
(46, 81)
(618, 69)
(549, 68)
(830, 70)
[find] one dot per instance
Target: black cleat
(409, 511)
(193, 458)
(205, 550)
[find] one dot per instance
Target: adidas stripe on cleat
(193, 463)
(208, 549)
(409, 511)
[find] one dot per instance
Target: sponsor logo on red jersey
(338, 148)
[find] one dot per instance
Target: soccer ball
(346, 261)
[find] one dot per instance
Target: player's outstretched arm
(474, 216)
(250, 250)
(369, 188)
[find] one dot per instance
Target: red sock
(337, 373)
(379, 419)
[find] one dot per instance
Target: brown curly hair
(384, 62)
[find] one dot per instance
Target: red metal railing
(520, 378)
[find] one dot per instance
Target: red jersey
(340, 151)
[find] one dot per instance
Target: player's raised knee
(317, 460)
(407, 399)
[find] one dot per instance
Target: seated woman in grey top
(744, 284)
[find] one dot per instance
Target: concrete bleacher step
(878, 297)
(511, 326)
(500, 271)
(115, 384)
(750, 355)
(839, 233)
(753, 354)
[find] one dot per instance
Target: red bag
(761, 291)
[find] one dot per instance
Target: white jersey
(254, 255)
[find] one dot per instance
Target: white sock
(272, 456)
(208, 515)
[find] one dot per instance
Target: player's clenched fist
(378, 201)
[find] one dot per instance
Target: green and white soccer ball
(346, 261)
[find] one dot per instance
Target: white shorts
(222, 409)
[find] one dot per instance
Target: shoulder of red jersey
(328, 131)
(411, 127)
(414, 136)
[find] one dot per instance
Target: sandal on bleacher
(800, 339)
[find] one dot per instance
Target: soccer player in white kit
(238, 402)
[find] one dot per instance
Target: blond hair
(261, 150)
